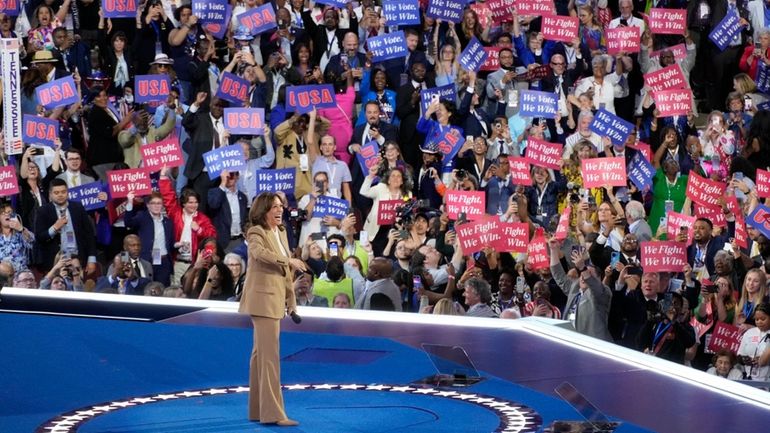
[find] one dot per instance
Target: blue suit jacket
(141, 223)
(222, 218)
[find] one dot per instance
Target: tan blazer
(268, 288)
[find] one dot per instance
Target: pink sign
(763, 183)
(668, 21)
(514, 238)
(675, 221)
(121, 182)
(680, 52)
(162, 153)
(714, 215)
(492, 62)
(623, 40)
(526, 8)
(670, 77)
(520, 174)
(673, 102)
(741, 234)
(473, 203)
(559, 28)
(500, 9)
(541, 153)
(386, 211)
(562, 230)
(645, 148)
(9, 184)
(725, 337)
(705, 191)
(598, 172)
(537, 252)
(477, 235)
(666, 256)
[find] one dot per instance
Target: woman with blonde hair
(753, 293)
(445, 307)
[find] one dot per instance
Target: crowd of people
(188, 237)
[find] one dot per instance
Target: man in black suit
(408, 110)
(156, 235)
(227, 207)
(475, 120)
(122, 279)
(429, 173)
(398, 70)
(207, 132)
(700, 255)
(349, 58)
(559, 82)
(61, 225)
(327, 39)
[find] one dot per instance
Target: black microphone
(295, 317)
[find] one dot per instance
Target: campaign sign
(473, 203)
(676, 102)
(340, 4)
(401, 12)
(119, 8)
(473, 56)
(668, 21)
(705, 191)
(228, 158)
(245, 121)
(214, 15)
(759, 218)
(520, 174)
(513, 237)
(501, 9)
(387, 46)
(386, 211)
(330, 206)
(606, 123)
(715, 215)
(541, 153)
(670, 77)
(598, 172)
(483, 13)
(763, 78)
(763, 183)
(444, 92)
(303, 99)
(259, 19)
(741, 234)
(88, 195)
(162, 153)
(727, 29)
(446, 10)
(9, 184)
(492, 62)
(151, 88)
(477, 235)
(368, 156)
(679, 50)
(562, 230)
(560, 28)
(9, 7)
(448, 140)
(525, 8)
(725, 336)
(40, 130)
(645, 148)
(641, 172)
(663, 256)
(538, 256)
(675, 221)
(276, 180)
(533, 103)
(233, 88)
(623, 40)
(122, 182)
(57, 93)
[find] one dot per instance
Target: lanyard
(331, 172)
(330, 45)
(542, 194)
(660, 331)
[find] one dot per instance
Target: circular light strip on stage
(514, 417)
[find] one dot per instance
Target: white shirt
(235, 211)
(159, 235)
(753, 343)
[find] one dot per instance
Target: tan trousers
(265, 397)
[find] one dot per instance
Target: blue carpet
(54, 365)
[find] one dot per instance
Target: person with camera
(312, 224)
(542, 196)
(16, 241)
(297, 147)
(123, 279)
(541, 305)
(66, 274)
(392, 187)
(754, 351)
(429, 185)
(666, 334)
(141, 133)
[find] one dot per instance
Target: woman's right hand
(297, 265)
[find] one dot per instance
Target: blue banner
(57, 93)
(336, 3)
(10, 7)
(259, 20)
(387, 46)
(759, 218)
(444, 92)
(228, 158)
(302, 99)
(606, 123)
(276, 180)
(446, 139)
(724, 32)
(233, 88)
(473, 56)
(214, 15)
(331, 206)
(368, 156)
(533, 103)
(764, 106)
(401, 12)
(119, 8)
(88, 195)
(245, 121)
(447, 10)
(40, 130)
(763, 77)
(641, 172)
(148, 88)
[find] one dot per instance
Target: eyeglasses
(233, 264)
(557, 64)
(77, 158)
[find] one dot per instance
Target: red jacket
(174, 211)
(744, 66)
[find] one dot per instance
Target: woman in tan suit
(267, 295)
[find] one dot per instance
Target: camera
(461, 174)
(573, 192)
(282, 24)
(297, 215)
